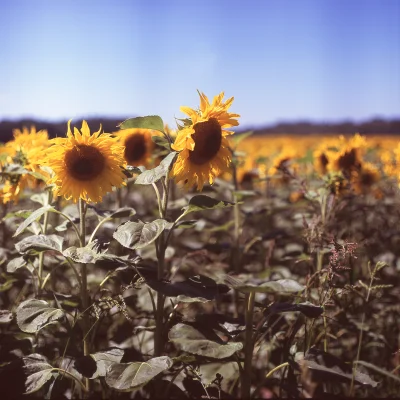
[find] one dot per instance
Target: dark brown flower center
(135, 148)
(207, 137)
(84, 162)
(367, 178)
(348, 161)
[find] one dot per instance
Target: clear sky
(322, 60)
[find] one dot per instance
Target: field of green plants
(196, 263)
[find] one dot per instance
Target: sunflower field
(195, 263)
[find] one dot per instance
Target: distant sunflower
(202, 144)
(349, 158)
(85, 166)
(365, 179)
(138, 145)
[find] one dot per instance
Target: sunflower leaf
(127, 377)
(136, 235)
(237, 138)
(202, 202)
(38, 243)
(281, 286)
(33, 217)
(161, 141)
(150, 122)
(17, 263)
(189, 339)
(25, 375)
(33, 315)
(151, 176)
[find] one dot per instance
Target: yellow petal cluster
(202, 143)
(85, 165)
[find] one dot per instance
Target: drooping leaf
(123, 212)
(24, 376)
(37, 371)
(149, 122)
(96, 364)
(136, 235)
(380, 370)
(131, 376)
(308, 309)
(326, 366)
(197, 288)
(202, 202)
(281, 286)
(189, 339)
(33, 315)
(90, 254)
(33, 217)
(38, 243)
(15, 264)
(154, 175)
(41, 198)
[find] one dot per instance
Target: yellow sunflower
(85, 166)
(202, 144)
(138, 145)
(364, 179)
(349, 158)
(26, 149)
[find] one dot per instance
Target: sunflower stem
(248, 347)
(161, 245)
(44, 230)
(84, 289)
(235, 252)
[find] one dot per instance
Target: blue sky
(321, 60)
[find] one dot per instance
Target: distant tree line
(372, 127)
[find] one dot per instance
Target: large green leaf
(136, 235)
(150, 122)
(202, 202)
(89, 254)
(131, 376)
(37, 372)
(33, 315)
(161, 141)
(38, 243)
(189, 339)
(17, 263)
(153, 175)
(282, 286)
(33, 217)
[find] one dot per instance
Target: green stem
(351, 394)
(276, 369)
(72, 224)
(84, 289)
(44, 231)
(248, 347)
(161, 246)
(103, 221)
(235, 251)
(63, 372)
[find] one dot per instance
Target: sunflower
(202, 142)
(349, 158)
(26, 150)
(138, 145)
(85, 166)
(364, 179)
